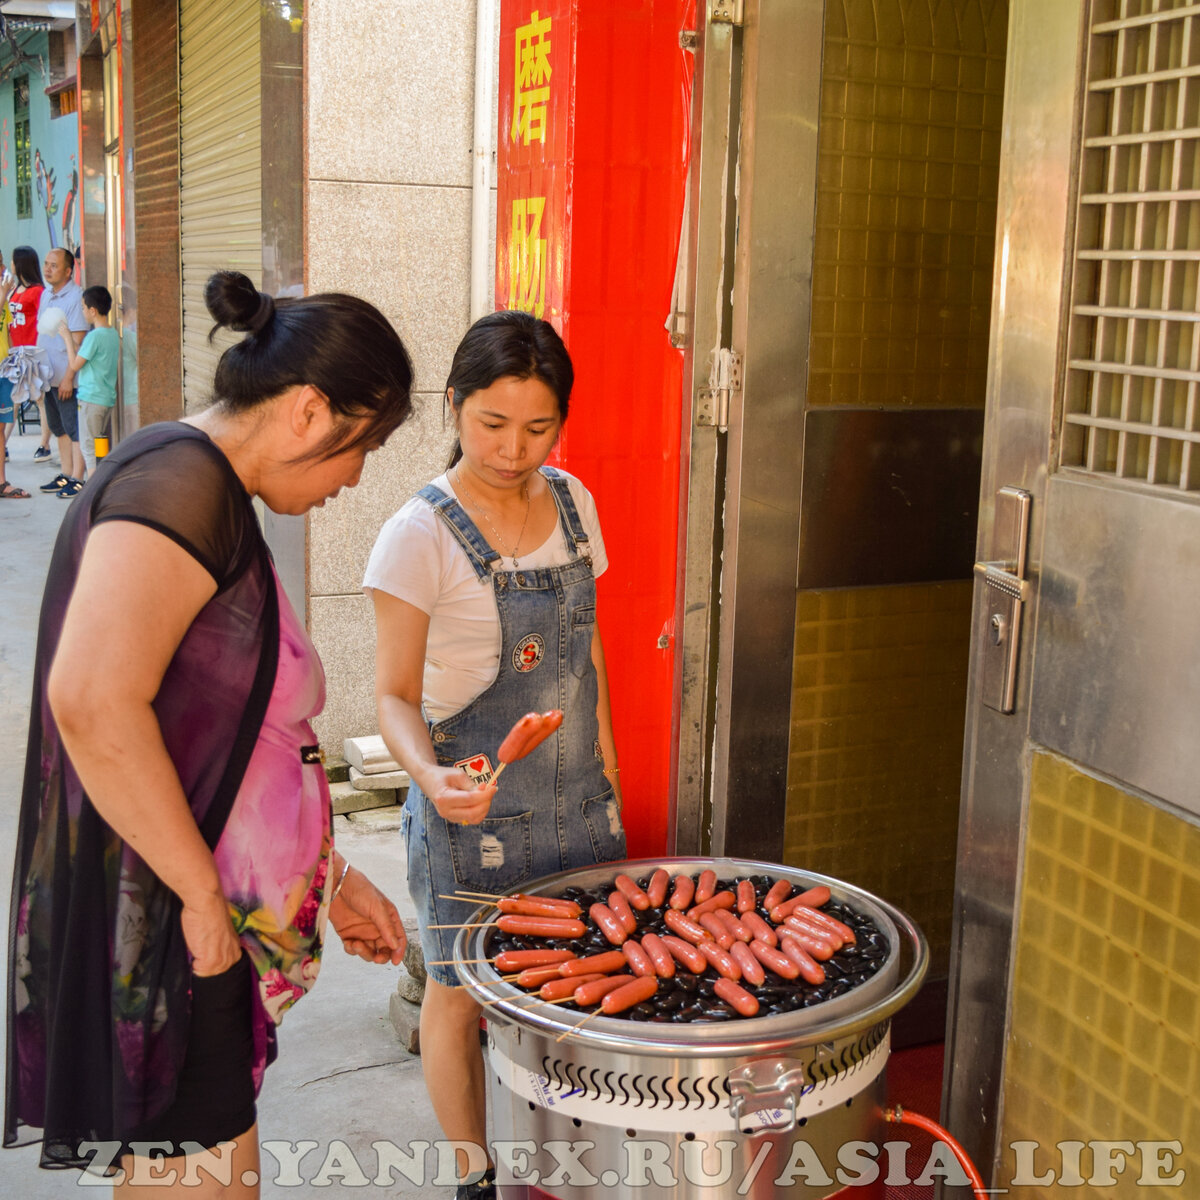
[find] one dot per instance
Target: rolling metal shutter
(220, 194)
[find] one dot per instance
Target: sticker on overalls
(529, 652)
(478, 767)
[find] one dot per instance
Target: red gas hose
(896, 1115)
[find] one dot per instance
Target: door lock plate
(1005, 591)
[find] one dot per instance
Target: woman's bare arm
(401, 632)
(136, 596)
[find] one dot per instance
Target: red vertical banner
(533, 166)
(592, 162)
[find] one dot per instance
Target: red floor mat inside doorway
(915, 1082)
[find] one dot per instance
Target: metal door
(1077, 865)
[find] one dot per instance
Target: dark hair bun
(235, 303)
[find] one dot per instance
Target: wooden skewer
(463, 925)
(485, 895)
(465, 899)
(499, 771)
(580, 1025)
(449, 962)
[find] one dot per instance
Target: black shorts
(62, 415)
(214, 1098)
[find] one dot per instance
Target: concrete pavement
(343, 1081)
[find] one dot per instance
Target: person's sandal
(40, 453)
(8, 492)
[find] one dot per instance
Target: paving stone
(369, 755)
(337, 770)
(410, 989)
(349, 800)
(406, 1020)
(378, 820)
(379, 781)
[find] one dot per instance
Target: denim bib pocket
(602, 816)
(583, 626)
(493, 856)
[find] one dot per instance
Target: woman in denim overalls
(498, 540)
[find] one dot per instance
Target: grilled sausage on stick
(530, 731)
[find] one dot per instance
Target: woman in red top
(21, 289)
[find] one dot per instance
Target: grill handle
(764, 1094)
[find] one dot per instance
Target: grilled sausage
(518, 960)
(538, 906)
(832, 924)
(681, 894)
(622, 911)
(724, 963)
(706, 885)
(752, 970)
(774, 960)
(530, 731)
(717, 928)
(812, 970)
(685, 954)
(780, 891)
(737, 928)
(639, 961)
(534, 977)
(603, 964)
(606, 921)
(723, 899)
(685, 927)
(759, 928)
(656, 890)
(746, 900)
(634, 894)
(660, 956)
(560, 989)
(811, 899)
(547, 927)
(819, 942)
(735, 994)
(587, 994)
(636, 992)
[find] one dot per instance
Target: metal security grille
(220, 167)
(1133, 371)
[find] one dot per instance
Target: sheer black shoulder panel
(187, 490)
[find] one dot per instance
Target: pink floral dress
(275, 884)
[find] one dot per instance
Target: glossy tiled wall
(911, 98)
(1104, 1039)
(878, 700)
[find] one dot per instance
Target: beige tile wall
(390, 110)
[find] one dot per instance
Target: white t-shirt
(417, 559)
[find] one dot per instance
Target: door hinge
(727, 12)
(712, 403)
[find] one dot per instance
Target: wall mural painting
(66, 233)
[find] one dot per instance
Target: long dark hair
(509, 344)
(27, 267)
(339, 344)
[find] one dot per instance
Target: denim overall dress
(554, 809)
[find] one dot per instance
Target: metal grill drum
(766, 1107)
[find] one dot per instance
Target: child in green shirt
(95, 367)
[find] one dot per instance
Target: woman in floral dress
(175, 869)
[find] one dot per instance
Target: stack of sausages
(707, 949)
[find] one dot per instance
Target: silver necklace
(458, 479)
